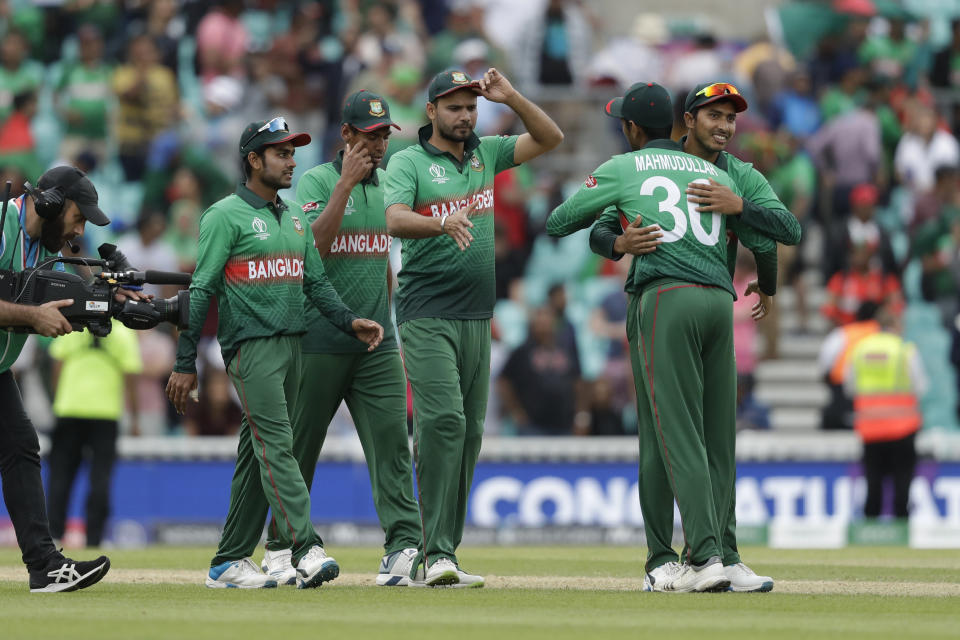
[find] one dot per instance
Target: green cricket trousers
(375, 390)
(681, 337)
(266, 375)
(448, 365)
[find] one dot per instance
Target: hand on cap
(495, 87)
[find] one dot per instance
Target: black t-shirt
(544, 379)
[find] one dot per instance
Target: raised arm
(310, 191)
(599, 191)
(542, 135)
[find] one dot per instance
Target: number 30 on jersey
(669, 205)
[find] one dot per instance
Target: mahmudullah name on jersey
(484, 200)
(673, 162)
(361, 244)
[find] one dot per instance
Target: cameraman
(36, 227)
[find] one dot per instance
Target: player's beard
(276, 181)
(450, 133)
(51, 234)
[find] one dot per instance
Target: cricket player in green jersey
(439, 199)
(709, 131)
(342, 202)
(258, 259)
(684, 317)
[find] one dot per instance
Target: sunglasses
(718, 89)
(277, 124)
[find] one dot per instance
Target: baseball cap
(708, 92)
(646, 103)
(76, 186)
(448, 82)
(863, 194)
(366, 111)
(272, 131)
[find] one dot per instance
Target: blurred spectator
(148, 249)
(406, 106)
(83, 97)
(464, 22)
(945, 71)
(566, 335)
(795, 108)
(848, 151)
(509, 261)
(556, 47)
(222, 41)
(703, 64)
(625, 60)
(940, 203)
(540, 385)
(891, 54)
(184, 228)
(473, 56)
(862, 281)
(767, 68)
(17, 146)
(750, 413)
(605, 418)
(382, 34)
(94, 381)
(937, 245)
(609, 321)
(923, 147)
(17, 73)
(147, 104)
(832, 362)
(885, 376)
(166, 28)
(858, 229)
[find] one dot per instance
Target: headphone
(47, 203)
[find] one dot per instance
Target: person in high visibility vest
(832, 361)
(886, 379)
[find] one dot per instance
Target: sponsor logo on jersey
(484, 203)
(361, 244)
(458, 77)
(590, 182)
(376, 108)
(439, 173)
(349, 208)
(260, 228)
(296, 225)
(310, 206)
(475, 163)
(278, 269)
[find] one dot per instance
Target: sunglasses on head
(718, 89)
(277, 124)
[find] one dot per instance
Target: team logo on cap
(296, 225)
(590, 182)
(475, 164)
(260, 229)
(459, 77)
(376, 108)
(439, 173)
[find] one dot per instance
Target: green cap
(272, 131)
(366, 111)
(699, 97)
(646, 103)
(448, 82)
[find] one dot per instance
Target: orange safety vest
(854, 332)
(885, 406)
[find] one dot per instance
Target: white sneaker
(442, 573)
(315, 568)
(239, 574)
(468, 580)
(743, 579)
(708, 577)
(395, 568)
(278, 566)
(662, 575)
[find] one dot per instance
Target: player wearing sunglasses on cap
(710, 112)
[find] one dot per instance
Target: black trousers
(20, 474)
(896, 459)
(72, 438)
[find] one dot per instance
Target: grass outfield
(532, 592)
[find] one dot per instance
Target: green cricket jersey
(357, 261)
(17, 252)
(258, 260)
(651, 182)
(438, 280)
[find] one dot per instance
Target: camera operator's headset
(48, 203)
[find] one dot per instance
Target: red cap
(863, 194)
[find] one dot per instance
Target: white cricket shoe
(442, 573)
(467, 580)
(315, 568)
(278, 565)
(743, 579)
(708, 577)
(239, 574)
(395, 568)
(662, 575)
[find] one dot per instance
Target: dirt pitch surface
(573, 583)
